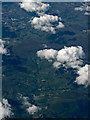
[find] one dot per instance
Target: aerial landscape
(45, 62)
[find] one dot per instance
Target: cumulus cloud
(79, 8)
(70, 56)
(32, 6)
(86, 13)
(60, 25)
(44, 22)
(85, 7)
(56, 64)
(2, 49)
(31, 109)
(48, 54)
(67, 57)
(82, 78)
(5, 109)
(47, 23)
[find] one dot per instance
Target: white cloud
(46, 23)
(48, 54)
(32, 6)
(86, 13)
(85, 7)
(56, 64)
(5, 109)
(67, 57)
(82, 78)
(60, 25)
(70, 56)
(2, 49)
(31, 109)
(79, 8)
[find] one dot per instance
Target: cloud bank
(31, 109)
(31, 6)
(44, 22)
(2, 49)
(5, 109)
